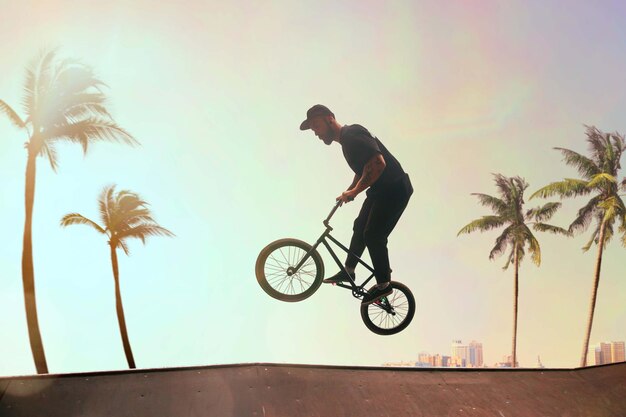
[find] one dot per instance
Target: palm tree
(124, 215)
(599, 173)
(508, 212)
(63, 101)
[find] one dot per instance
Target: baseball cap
(317, 110)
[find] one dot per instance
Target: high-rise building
(617, 352)
(605, 353)
(425, 359)
(476, 354)
(596, 354)
(437, 360)
(460, 354)
(467, 355)
(456, 362)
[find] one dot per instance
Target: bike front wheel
(276, 274)
(390, 314)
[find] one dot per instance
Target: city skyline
(601, 353)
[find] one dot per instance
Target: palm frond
(12, 115)
(86, 110)
(569, 187)
(47, 149)
(520, 185)
(509, 260)
(534, 248)
(89, 130)
(126, 205)
(585, 166)
(544, 212)
(619, 203)
(123, 245)
(619, 143)
(76, 78)
(46, 68)
(602, 181)
(543, 227)
(521, 253)
(496, 204)
(596, 144)
(593, 238)
(511, 189)
(502, 242)
(106, 204)
(127, 219)
(145, 230)
(585, 215)
(128, 201)
(504, 187)
(29, 96)
(483, 224)
(613, 207)
(76, 218)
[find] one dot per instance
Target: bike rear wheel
(276, 275)
(390, 314)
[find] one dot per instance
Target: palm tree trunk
(594, 293)
(28, 270)
(120, 310)
(515, 298)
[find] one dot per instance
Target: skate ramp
(269, 390)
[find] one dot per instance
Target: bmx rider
(388, 195)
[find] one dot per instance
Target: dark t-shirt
(359, 146)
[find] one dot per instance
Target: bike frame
(358, 291)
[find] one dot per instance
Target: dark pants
(379, 215)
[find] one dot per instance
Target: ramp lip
(310, 366)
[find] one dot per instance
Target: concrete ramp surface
(271, 390)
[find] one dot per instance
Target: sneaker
(340, 276)
(376, 294)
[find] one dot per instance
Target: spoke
(278, 261)
(278, 282)
(283, 255)
(281, 285)
(379, 315)
(289, 255)
(276, 272)
(283, 258)
(384, 320)
(274, 278)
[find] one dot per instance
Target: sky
(215, 92)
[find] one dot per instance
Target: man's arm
(354, 182)
(371, 172)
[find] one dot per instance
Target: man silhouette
(387, 197)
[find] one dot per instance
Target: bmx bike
(292, 270)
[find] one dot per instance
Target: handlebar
(332, 212)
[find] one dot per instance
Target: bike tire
(271, 270)
(383, 323)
